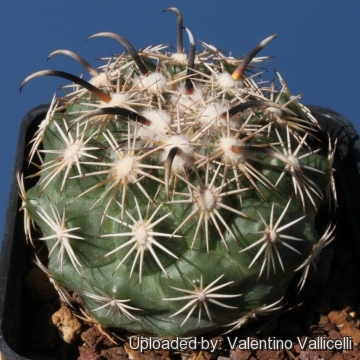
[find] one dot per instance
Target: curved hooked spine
(125, 114)
(189, 87)
(253, 104)
(168, 165)
(130, 49)
(179, 28)
(241, 68)
(93, 89)
(93, 72)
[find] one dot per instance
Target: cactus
(177, 193)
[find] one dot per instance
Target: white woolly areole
(183, 158)
(272, 112)
(153, 83)
(187, 103)
(141, 235)
(212, 112)
(294, 160)
(210, 117)
(206, 200)
(72, 152)
(125, 169)
(117, 100)
(225, 81)
(180, 58)
(160, 122)
(99, 80)
(226, 145)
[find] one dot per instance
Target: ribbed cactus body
(178, 201)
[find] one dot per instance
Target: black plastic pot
(15, 255)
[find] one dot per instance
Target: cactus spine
(177, 193)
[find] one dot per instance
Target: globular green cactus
(177, 193)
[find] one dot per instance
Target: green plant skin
(92, 215)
